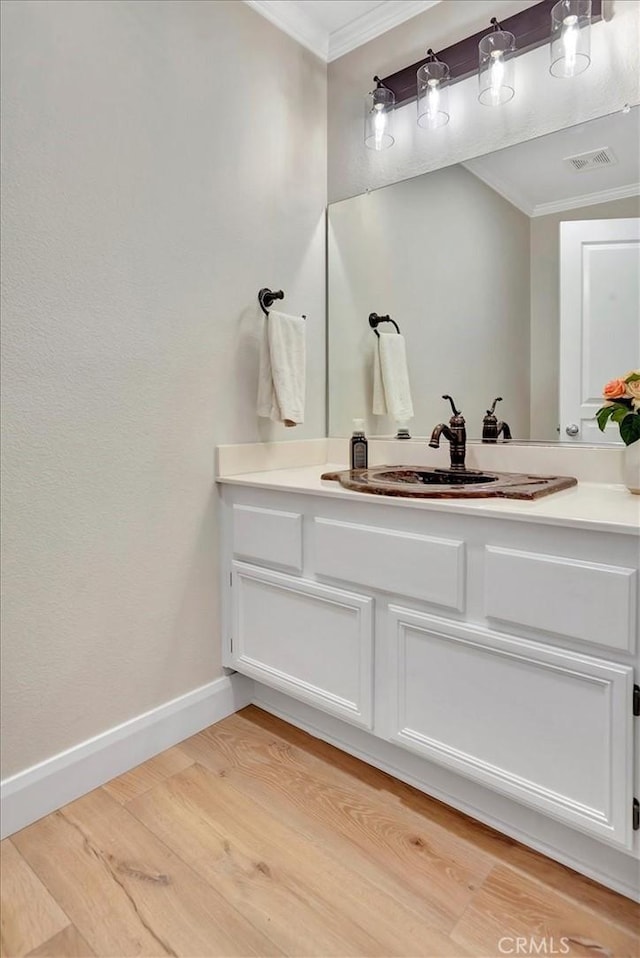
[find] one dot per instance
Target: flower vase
(631, 467)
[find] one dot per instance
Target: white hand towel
(391, 389)
(281, 378)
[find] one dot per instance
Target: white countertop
(589, 505)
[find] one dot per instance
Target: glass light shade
(570, 38)
(378, 113)
(496, 68)
(433, 94)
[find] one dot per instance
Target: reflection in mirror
(516, 274)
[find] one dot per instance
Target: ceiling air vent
(593, 160)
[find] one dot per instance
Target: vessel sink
(423, 483)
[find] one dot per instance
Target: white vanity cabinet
(489, 660)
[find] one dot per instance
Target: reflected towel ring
(266, 298)
(375, 320)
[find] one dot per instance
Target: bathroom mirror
(470, 260)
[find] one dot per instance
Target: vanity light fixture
(491, 56)
(495, 66)
(378, 111)
(433, 93)
(570, 38)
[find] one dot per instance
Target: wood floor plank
(558, 878)
(561, 880)
(286, 884)
(457, 833)
(125, 891)
(418, 859)
(510, 906)
(67, 944)
(29, 915)
(397, 793)
(253, 838)
(145, 776)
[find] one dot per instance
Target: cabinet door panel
(549, 728)
(305, 639)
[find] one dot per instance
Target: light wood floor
(252, 838)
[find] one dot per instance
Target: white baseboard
(43, 788)
(590, 857)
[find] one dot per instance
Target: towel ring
(266, 298)
(375, 320)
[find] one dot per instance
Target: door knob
(572, 429)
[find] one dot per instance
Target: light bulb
(496, 75)
(569, 41)
(379, 125)
(433, 99)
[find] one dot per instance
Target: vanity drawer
(309, 640)
(423, 567)
(588, 601)
(268, 535)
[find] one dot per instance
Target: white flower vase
(631, 467)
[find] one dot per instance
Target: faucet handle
(491, 412)
(456, 412)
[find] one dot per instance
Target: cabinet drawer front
(305, 639)
(551, 729)
(268, 535)
(423, 567)
(582, 600)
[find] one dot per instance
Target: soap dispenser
(359, 446)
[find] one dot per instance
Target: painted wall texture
(542, 103)
(459, 290)
(163, 160)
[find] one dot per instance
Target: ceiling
(536, 177)
(331, 28)
(334, 14)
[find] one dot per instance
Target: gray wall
(162, 161)
(542, 103)
(448, 258)
(545, 303)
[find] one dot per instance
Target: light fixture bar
(530, 28)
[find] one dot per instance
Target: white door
(599, 319)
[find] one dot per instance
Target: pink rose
(615, 389)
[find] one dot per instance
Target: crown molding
(557, 206)
(290, 17)
(588, 199)
(370, 25)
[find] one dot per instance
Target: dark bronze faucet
(491, 428)
(456, 433)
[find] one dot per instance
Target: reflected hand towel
(391, 389)
(281, 377)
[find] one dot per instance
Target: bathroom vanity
(486, 651)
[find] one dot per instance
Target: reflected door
(599, 319)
